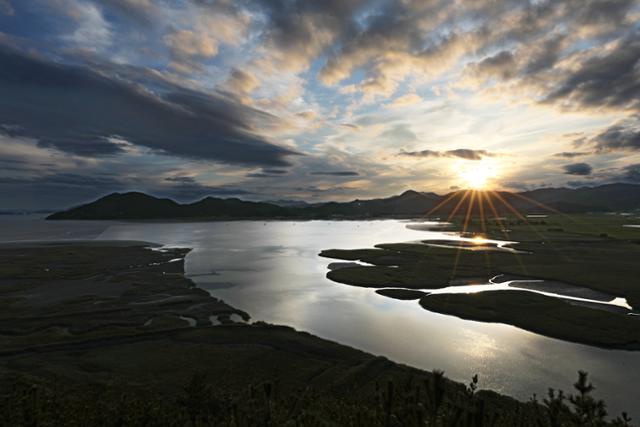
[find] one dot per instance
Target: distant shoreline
(141, 206)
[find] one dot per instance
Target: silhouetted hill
(408, 203)
(134, 205)
(602, 198)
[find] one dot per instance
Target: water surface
(272, 270)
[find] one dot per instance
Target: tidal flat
(113, 333)
(580, 255)
(85, 324)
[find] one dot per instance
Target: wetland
(271, 270)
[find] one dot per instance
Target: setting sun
(191, 189)
(477, 175)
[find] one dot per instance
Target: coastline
(78, 318)
(157, 290)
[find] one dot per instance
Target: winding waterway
(272, 270)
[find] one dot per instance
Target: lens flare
(477, 175)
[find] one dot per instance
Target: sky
(314, 100)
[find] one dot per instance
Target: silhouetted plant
(434, 402)
(556, 408)
(622, 421)
(587, 410)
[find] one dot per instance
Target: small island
(594, 256)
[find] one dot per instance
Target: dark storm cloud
(611, 80)
(301, 29)
(545, 58)
(335, 173)
(398, 36)
(75, 109)
(461, 153)
(618, 137)
(578, 169)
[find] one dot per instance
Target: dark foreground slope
(114, 334)
(612, 197)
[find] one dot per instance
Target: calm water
(272, 271)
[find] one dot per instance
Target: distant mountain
(288, 203)
(408, 203)
(610, 197)
(134, 205)
(605, 198)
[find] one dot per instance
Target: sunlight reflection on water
(272, 270)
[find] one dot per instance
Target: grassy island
(595, 254)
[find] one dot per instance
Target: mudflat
(114, 334)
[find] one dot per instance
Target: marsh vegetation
(593, 252)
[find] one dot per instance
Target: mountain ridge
(138, 205)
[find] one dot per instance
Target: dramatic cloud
(300, 30)
(76, 109)
(195, 97)
(618, 137)
(462, 153)
(607, 80)
(578, 169)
